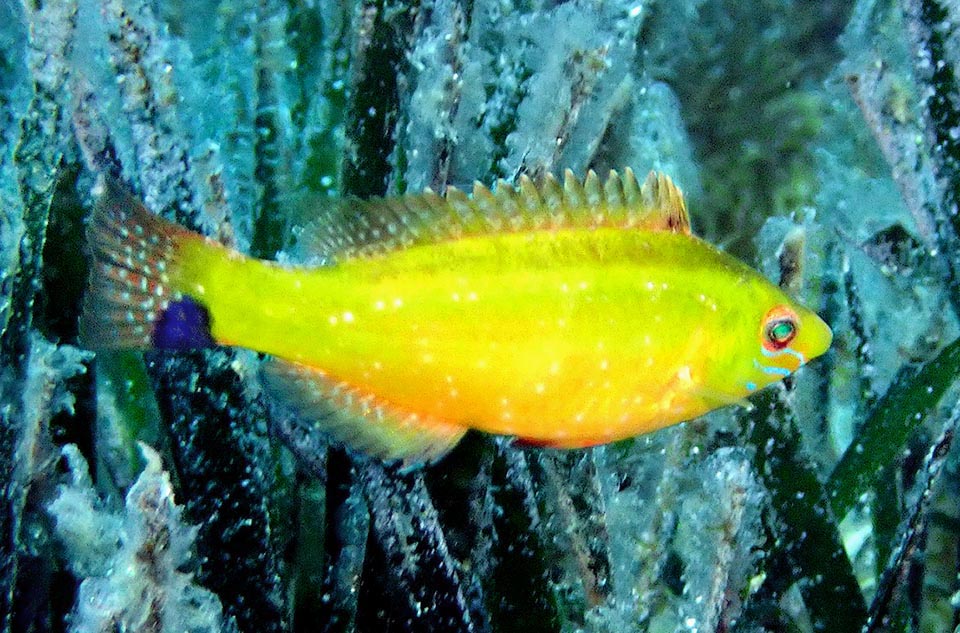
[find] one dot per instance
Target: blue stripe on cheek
(786, 350)
(767, 369)
(185, 324)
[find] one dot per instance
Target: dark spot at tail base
(185, 324)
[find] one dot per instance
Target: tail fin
(131, 302)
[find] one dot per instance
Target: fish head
(785, 337)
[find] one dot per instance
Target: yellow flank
(567, 314)
(567, 338)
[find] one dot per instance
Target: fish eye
(780, 328)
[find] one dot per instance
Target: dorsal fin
(352, 228)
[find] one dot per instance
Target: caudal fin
(131, 301)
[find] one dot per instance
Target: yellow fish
(567, 314)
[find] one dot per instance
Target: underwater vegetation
(159, 491)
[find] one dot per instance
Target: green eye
(781, 332)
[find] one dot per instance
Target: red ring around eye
(779, 328)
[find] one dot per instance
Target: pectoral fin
(355, 418)
(717, 399)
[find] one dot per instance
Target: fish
(565, 313)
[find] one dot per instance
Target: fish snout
(817, 336)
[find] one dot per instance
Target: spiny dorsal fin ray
(355, 418)
(361, 228)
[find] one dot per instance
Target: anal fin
(357, 419)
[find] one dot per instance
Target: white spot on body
(348, 317)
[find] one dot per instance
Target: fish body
(584, 330)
